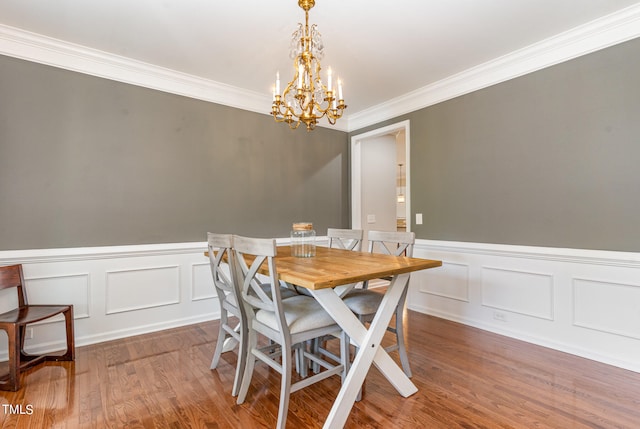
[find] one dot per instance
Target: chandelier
(306, 98)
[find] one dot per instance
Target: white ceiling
(381, 49)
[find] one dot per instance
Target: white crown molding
(25, 45)
(22, 44)
(607, 31)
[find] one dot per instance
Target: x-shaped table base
(370, 350)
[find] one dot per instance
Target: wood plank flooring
(467, 378)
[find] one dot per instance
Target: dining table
(332, 267)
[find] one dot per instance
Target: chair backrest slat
(11, 276)
(348, 239)
(219, 246)
(251, 255)
(392, 242)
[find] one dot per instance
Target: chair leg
(312, 347)
(402, 348)
(222, 336)
(13, 382)
(22, 334)
(360, 392)
(242, 359)
(344, 354)
(252, 343)
(302, 366)
(285, 386)
(71, 342)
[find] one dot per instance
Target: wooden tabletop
(334, 267)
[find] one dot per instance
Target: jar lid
(302, 226)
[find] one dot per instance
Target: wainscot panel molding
(583, 302)
(142, 288)
(590, 313)
(61, 289)
(201, 286)
(450, 281)
(117, 291)
(517, 291)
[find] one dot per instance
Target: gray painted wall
(550, 159)
(86, 161)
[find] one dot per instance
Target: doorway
(380, 179)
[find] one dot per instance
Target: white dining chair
(289, 323)
(348, 239)
(365, 302)
(226, 284)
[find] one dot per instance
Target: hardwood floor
(467, 378)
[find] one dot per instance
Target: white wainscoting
(116, 291)
(578, 301)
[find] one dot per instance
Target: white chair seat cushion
(302, 313)
(363, 301)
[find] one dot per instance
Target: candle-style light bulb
(277, 83)
(340, 90)
(329, 79)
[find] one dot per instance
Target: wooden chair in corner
(15, 322)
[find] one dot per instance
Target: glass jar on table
(303, 240)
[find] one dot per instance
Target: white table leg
(370, 350)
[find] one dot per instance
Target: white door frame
(356, 171)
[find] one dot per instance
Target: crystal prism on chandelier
(306, 98)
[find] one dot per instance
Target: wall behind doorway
(379, 173)
(401, 159)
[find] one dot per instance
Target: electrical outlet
(499, 315)
(29, 334)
